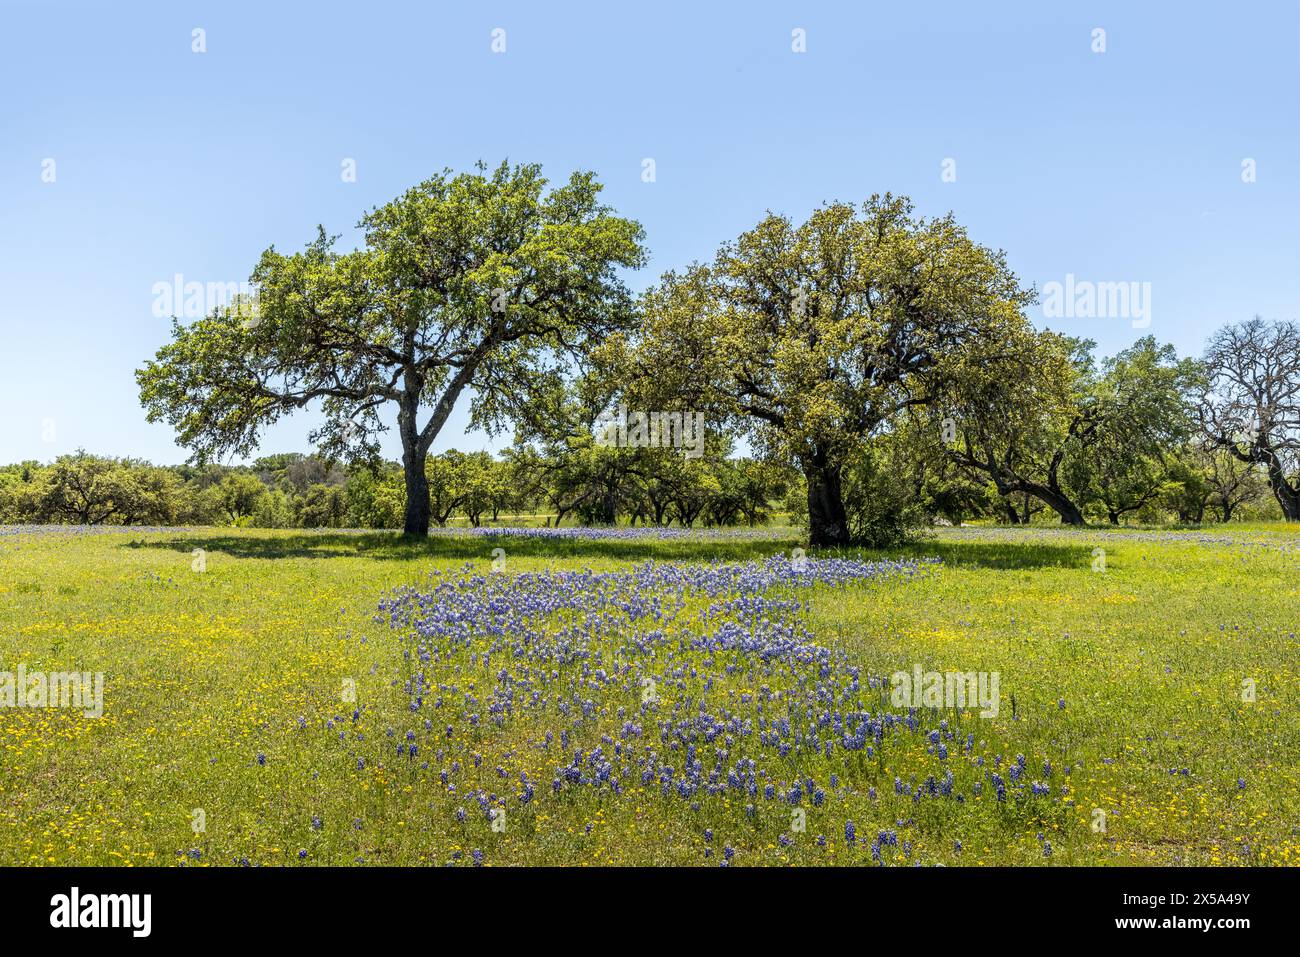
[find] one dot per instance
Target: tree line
(905, 482)
(872, 351)
(589, 487)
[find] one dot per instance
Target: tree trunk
(1287, 497)
(417, 496)
(828, 522)
(1069, 512)
(606, 508)
(1057, 501)
(1050, 495)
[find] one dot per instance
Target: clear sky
(1116, 166)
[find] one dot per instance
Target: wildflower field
(632, 697)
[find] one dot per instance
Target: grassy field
(230, 690)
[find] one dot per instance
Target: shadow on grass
(1002, 555)
(391, 546)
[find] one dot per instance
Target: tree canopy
(879, 364)
(483, 281)
(810, 338)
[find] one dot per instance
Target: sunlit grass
(205, 671)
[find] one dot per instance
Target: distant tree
(84, 488)
(1060, 427)
(22, 490)
(480, 280)
(724, 506)
(652, 485)
(9, 484)
(575, 476)
(761, 485)
(477, 477)
(694, 486)
(276, 509)
(298, 472)
(745, 491)
(1187, 492)
(1144, 398)
(240, 494)
(148, 495)
(949, 494)
(447, 489)
(375, 498)
(323, 506)
(200, 504)
(506, 487)
(1019, 422)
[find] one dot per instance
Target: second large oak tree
(812, 338)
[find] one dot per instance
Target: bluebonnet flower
(473, 623)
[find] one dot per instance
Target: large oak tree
(483, 281)
(811, 338)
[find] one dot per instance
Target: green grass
(205, 670)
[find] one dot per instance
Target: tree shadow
(1009, 556)
(391, 546)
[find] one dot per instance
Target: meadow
(633, 698)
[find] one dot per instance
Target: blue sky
(1122, 166)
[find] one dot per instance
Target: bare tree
(1251, 405)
